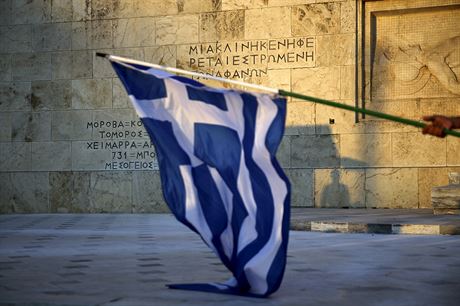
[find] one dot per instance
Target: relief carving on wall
(403, 69)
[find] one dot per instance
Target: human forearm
(439, 123)
(455, 122)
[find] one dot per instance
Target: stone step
(374, 221)
(446, 199)
(375, 228)
(454, 178)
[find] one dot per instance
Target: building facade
(71, 142)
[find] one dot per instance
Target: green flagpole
(276, 91)
(362, 110)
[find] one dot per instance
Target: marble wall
(71, 142)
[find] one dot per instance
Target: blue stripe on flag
(170, 156)
(187, 81)
(225, 156)
(140, 84)
(209, 147)
(213, 98)
(213, 207)
(276, 130)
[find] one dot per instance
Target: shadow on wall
(336, 193)
(317, 170)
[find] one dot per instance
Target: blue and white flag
(216, 153)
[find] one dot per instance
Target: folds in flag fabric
(216, 153)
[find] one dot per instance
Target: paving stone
(72, 64)
(156, 7)
(5, 67)
(319, 18)
(177, 30)
(120, 96)
(111, 192)
(302, 187)
(71, 125)
(134, 32)
(61, 10)
(51, 156)
(347, 16)
(217, 26)
(5, 12)
(197, 6)
(163, 55)
(276, 78)
(52, 37)
(347, 82)
(95, 34)
(17, 38)
(91, 93)
(101, 9)
(237, 4)
(433, 105)
(31, 66)
(82, 63)
(318, 82)
(51, 95)
(300, 118)
(283, 154)
(343, 52)
(24, 192)
(31, 11)
(15, 96)
(288, 2)
(359, 150)
(125, 9)
(255, 23)
(429, 178)
(392, 188)
(453, 147)
(5, 127)
(415, 150)
(147, 192)
(61, 65)
(314, 151)
(31, 126)
(81, 10)
(15, 156)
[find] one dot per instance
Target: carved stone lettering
(124, 144)
(248, 59)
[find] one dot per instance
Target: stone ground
(121, 259)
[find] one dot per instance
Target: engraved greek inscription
(126, 143)
(249, 58)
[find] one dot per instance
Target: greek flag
(216, 153)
